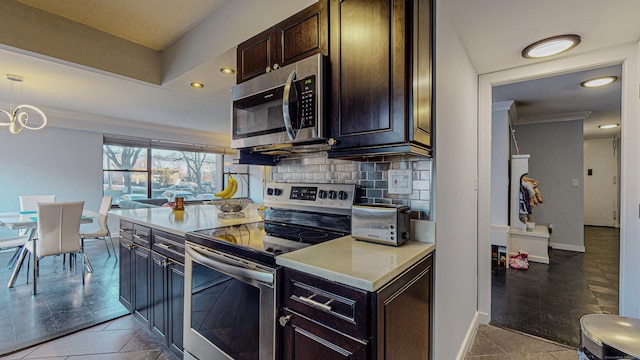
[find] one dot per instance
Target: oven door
(230, 307)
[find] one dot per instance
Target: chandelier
(18, 117)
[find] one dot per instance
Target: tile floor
(62, 304)
(494, 343)
(125, 339)
(549, 300)
(121, 339)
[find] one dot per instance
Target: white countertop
(363, 265)
(194, 217)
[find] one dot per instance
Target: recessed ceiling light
(197, 85)
(608, 126)
(227, 71)
(601, 81)
(551, 46)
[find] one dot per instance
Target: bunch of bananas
(230, 190)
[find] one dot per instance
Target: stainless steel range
(231, 277)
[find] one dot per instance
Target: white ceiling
(493, 33)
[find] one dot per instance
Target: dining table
(28, 221)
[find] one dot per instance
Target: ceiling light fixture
(18, 117)
(551, 46)
(197, 85)
(227, 71)
(609, 126)
(601, 81)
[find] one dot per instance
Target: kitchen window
(148, 170)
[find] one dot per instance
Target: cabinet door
(158, 291)
(255, 55)
(368, 72)
(404, 315)
(141, 259)
(303, 34)
(423, 84)
(175, 286)
(304, 339)
(126, 273)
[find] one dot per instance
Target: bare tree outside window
(138, 173)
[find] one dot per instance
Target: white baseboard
(567, 247)
(468, 339)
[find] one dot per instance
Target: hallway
(548, 300)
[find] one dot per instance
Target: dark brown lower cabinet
(141, 296)
(306, 339)
(167, 291)
(323, 319)
(152, 287)
(126, 275)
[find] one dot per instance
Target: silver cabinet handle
(286, 115)
(164, 246)
(313, 303)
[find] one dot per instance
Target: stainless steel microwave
(284, 106)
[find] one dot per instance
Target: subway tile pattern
(371, 175)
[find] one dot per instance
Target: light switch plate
(400, 182)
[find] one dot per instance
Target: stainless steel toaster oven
(381, 223)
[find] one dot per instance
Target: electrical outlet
(400, 182)
(575, 183)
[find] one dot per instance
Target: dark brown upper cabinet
(299, 36)
(381, 77)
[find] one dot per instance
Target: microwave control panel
(307, 103)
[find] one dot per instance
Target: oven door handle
(209, 260)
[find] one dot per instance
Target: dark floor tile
(549, 300)
(62, 304)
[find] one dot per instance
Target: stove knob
(269, 191)
(332, 194)
(277, 192)
(343, 195)
(322, 194)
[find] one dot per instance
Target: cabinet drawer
(141, 235)
(169, 245)
(126, 230)
(338, 306)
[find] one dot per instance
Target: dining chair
(13, 242)
(58, 233)
(30, 202)
(89, 231)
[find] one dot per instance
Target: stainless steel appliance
(381, 223)
(231, 277)
(284, 106)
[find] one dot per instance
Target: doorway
(555, 122)
(628, 284)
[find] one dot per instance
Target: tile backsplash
(372, 176)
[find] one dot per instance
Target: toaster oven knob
(322, 194)
(277, 192)
(342, 195)
(269, 191)
(332, 194)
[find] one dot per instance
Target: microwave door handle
(228, 268)
(286, 114)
